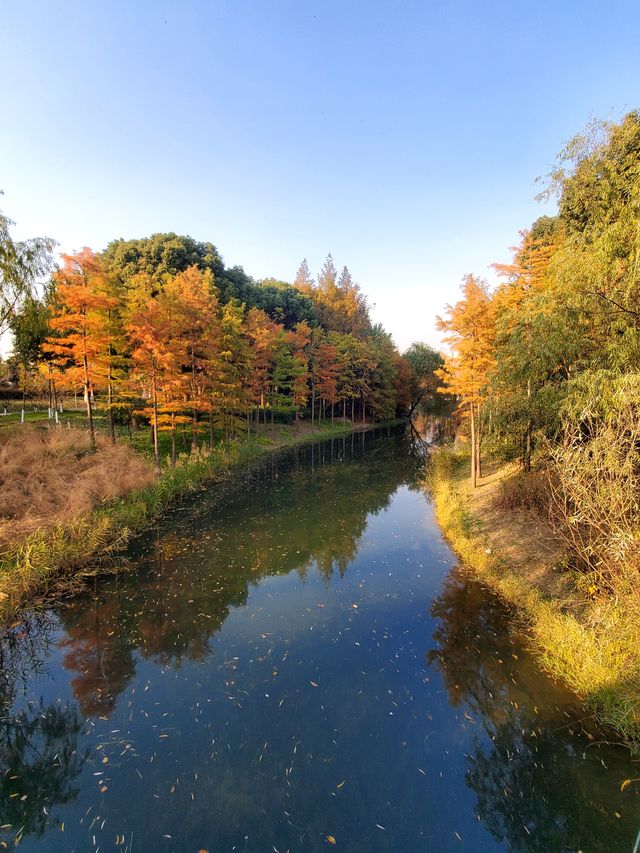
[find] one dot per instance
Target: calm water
(297, 664)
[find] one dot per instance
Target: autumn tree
(469, 330)
(323, 375)
(232, 399)
(263, 335)
(303, 280)
(529, 340)
(299, 340)
(191, 305)
(82, 347)
(156, 365)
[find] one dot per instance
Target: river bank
(588, 641)
(53, 561)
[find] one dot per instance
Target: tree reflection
(296, 511)
(38, 741)
(535, 775)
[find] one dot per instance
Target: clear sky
(403, 137)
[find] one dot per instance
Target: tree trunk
(527, 441)
(156, 454)
(87, 394)
(313, 405)
(194, 394)
(173, 441)
(112, 428)
(478, 445)
(55, 394)
(194, 429)
(24, 392)
(474, 471)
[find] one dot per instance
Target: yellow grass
(50, 477)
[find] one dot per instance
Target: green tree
(423, 384)
(22, 264)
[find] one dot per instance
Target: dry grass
(512, 507)
(107, 496)
(50, 477)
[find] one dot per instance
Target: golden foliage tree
(83, 342)
(469, 329)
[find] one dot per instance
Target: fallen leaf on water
(331, 839)
(313, 684)
(341, 783)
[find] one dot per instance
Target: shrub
(595, 490)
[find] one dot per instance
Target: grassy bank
(591, 642)
(51, 560)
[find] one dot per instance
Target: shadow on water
(293, 658)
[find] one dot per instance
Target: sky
(403, 137)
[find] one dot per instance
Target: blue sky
(404, 137)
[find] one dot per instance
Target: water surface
(295, 662)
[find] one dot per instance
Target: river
(294, 662)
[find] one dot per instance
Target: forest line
(158, 331)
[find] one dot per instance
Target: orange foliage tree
(191, 308)
(83, 341)
(155, 366)
(469, 329)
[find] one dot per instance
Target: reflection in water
(272, 520)
(289, 659)
(40, 761)
(38, 741)
(536, 767)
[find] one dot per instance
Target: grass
(592, 644)
(50, 477)
(57, 553)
